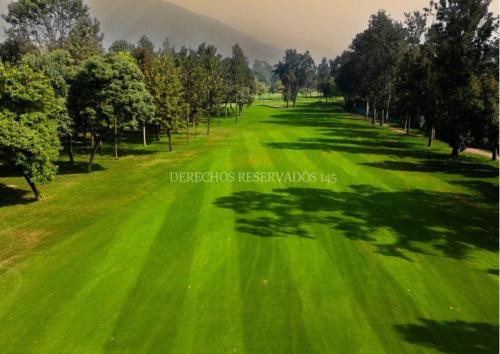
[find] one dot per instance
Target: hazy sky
(326, 27)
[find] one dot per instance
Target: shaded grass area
(399, 256)
(363, 210)
(430, 334)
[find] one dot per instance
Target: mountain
(158, 19)
(130, 19)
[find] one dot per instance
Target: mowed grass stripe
(394, 257)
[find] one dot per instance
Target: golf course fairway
(392, 249)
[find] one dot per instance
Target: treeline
(58, 84)
(296, 73)
(440, 65)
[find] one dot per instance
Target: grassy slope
(399, 256)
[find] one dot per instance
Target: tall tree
(194, 79)
(240, 78)
(47, 24)
(326, 83)
(85, 39)
(349, 79)
(108, 94)
(144, 54)
(60, 68)
(294, 72)
(378, 51)
(166, 90)
(263, 71)
(416, 84)
(464, 50)
(211, 62)
(29, 119)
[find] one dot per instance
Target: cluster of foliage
(30, 114)
(296, 71)
(57, 83)
(326, 79)
(445, 72)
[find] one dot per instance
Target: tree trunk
(382, 118)
(367, 111)
(116, 140)
(208, 125)
(374, 116)
(33, 187)
(431, 136)
(85, 145)
(157, 132)
(405, 122)
(70, 148)
(455, 151)
(225, 117)
(93, 151)
(494, 154)
(408, 124)
(169, 136)
(388, 107)
(187, 127)
(144, 139)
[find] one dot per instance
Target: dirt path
(479, 152)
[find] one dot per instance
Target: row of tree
(57, 84)
(441, 65)
(297, 73)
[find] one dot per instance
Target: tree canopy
(445, 72)
(110, 91)
(295, 71)
(30, 113)
(50, 24)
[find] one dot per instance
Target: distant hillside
(3, 10)
(129, 19)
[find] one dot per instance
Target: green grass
(399, 256)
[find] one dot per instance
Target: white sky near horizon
(326, 27)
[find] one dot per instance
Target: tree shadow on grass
(421, 222)
(315, 119)
(68, 168)
(493, 271)
(130, 143)
(487, 191)
(349, 141)
(11, 195)
(126, 150)
(387, 147)
(449, 166)
(457, 337)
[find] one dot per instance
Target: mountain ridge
(130, 19)
(158, 19)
